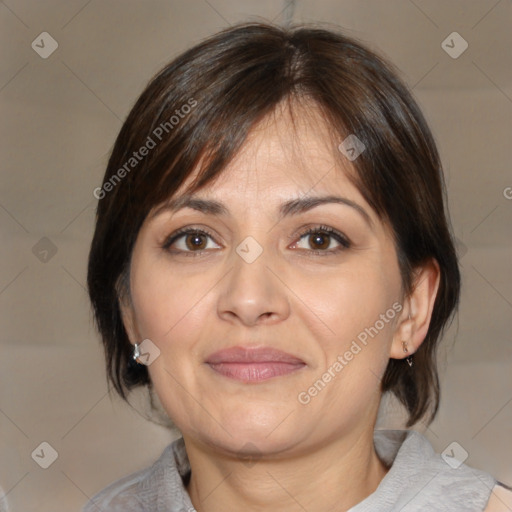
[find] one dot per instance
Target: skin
(309, 304)
(500, 500)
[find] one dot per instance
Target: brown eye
(319, 240)
(195, 241)
(322, 240)
(190, 240)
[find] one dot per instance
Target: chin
(266, 429)
(253, 444)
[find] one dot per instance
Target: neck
(335, 476)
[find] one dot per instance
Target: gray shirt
(418, 480)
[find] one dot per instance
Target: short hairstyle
(196, 114)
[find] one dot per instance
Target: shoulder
(421, 479)
(121, 495)
(500, 500)
(135, 492)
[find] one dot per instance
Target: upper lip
(252, 355)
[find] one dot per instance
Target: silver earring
(408, 359)
(136, 352)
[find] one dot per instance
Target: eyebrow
(288, 208)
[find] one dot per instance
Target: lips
(253, 364)
(252, 355)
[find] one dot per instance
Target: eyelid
(343, 241)
(179, 233)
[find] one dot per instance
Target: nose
(252, 294)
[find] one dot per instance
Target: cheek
(350, 301)
(358, 306)
(170, 310)
(164, 302)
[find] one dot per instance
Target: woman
(271, 255)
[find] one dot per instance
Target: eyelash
(339, 237)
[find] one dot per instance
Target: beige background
(60, 116)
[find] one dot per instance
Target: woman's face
(269, 267)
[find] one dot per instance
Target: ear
(417, 312)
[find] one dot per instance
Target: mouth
(253, 364)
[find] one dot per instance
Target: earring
(136, 352)
(408, 359)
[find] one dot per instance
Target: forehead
(288, 164)
(288, 153)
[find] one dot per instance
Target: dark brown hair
(199, 110)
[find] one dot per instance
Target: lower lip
(255, 372)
